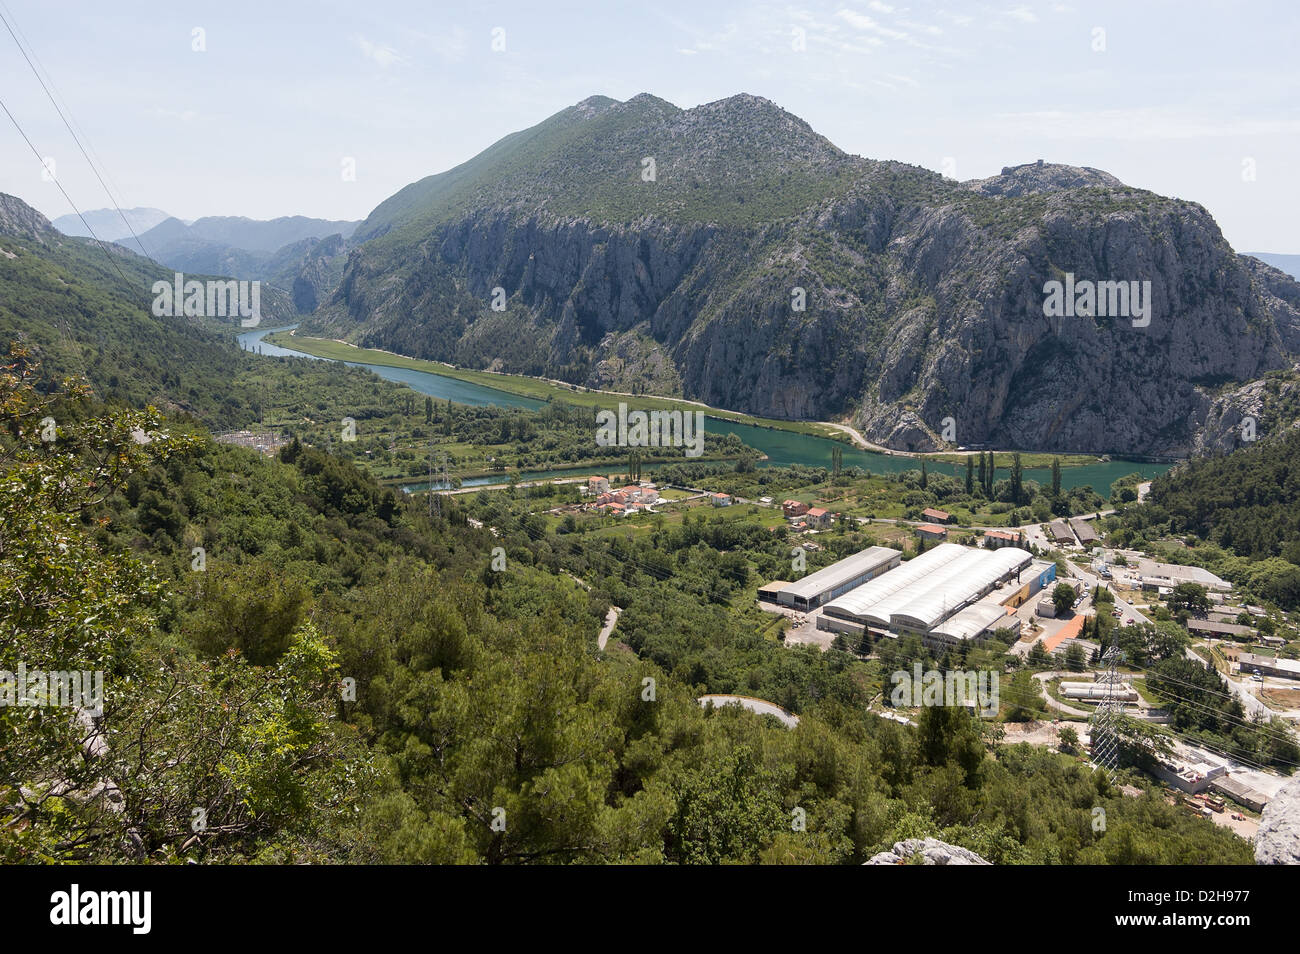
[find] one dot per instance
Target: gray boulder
(930, 851)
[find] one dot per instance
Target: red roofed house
(996, 539)
(598, 485)
(818, 517)
(936, 516)
(932, 531)
(794, 508)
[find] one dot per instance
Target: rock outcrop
(1278, 840)
(926, 851)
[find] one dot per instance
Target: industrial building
(930, 595)
(1060, 533)
(838, 578)
(975, 620)
(1084, 531)
(1208, 627)
(1268, 666)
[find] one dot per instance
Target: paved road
(760, 706)
(1241, 689)
(1043, 677)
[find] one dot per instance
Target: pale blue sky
(1181, 96)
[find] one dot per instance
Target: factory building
(1268, 666)
(930, 595)
(839, 578)
(1084, 531)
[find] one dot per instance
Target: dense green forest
(86, 312)
(301, 665)
(1237, 515)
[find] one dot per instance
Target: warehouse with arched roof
(930, 591)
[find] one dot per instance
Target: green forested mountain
(85, 311)
(730, 254)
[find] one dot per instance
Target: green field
(535, 388)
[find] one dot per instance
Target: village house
(818, 517)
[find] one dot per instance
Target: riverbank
(783, 443)
(543, 389)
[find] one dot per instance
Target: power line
(59, 185)
(72, 133)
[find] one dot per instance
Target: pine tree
(970, 475)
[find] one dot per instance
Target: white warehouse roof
(857, 601)
(827, 578)
(971, 621)
(932, 601)
(926, 590)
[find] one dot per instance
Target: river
(782, 448)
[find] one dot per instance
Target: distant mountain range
(108, 224)
(1287, 263)
(301, 255)
(729, 253)
(251, 235)
(83, 313)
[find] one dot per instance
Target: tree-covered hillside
(1242, 511)
(301, 666)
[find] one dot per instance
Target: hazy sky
(1196, 100)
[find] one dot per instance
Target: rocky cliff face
(1278, 840)
(18, 219)
(761, 269)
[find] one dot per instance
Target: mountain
(82, 313)
(108, 224)
(1286, 263)
(924, 297)
(301, 255)
(251, 235)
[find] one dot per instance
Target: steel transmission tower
(1105, 721)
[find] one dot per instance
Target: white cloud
(385, 56)
(1023, 14)
(880, 7)
(863, 22)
